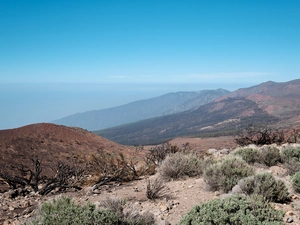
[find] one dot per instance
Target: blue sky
(62, 57)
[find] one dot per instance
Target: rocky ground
(184, 194)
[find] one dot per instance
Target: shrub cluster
(237, 209)
(226, 174)
(64, 211)
(266, 185)
(180, 165)
(269, 156)
(250, 155)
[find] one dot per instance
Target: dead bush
(157, 154)
(260, 136)
(156, 189)
(64, 176)
(112, 167)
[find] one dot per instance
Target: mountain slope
(222, 116)
(268, 102)
(143, 109)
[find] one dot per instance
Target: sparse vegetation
(179, 165)
(226, 174)
(238, 210)
(64, 211)
(266, 185)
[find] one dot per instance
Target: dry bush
(112, 167)
(156, 189)
(260, 136)
(157, 154)
(179, 165)
(64, 176)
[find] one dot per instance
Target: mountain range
(139, 110)
(276, 104)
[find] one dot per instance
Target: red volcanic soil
(51, 143)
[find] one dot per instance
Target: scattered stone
(289, 219)
(211, 151)
(224, 151)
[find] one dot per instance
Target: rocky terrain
(183, 193)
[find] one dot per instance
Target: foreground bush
(226, 174)
(237, 210)
(250, 155)
(65, 211)
(265, 185)
(296, 182)
(180, 165)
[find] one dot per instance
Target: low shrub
(296, 182)
(226, 174)
(179, 165)
(269, 156)
(250, 155)
(237, 210)
(64, 211)
(266, 185)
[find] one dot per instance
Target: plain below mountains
(139, 110)
(272, 103)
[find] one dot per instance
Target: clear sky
(60, 57)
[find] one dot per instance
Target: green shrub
(250, 155)
(270, 156)
(296, 182)
(266, 185)
(290, 153)
(64, 211)
(226, 174)
(237, 210)
(179, 165)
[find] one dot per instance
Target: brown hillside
(51, 143)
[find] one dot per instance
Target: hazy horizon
(58, 58)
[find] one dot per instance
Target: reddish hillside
(281, 100)
(51, 143)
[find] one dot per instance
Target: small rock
(211, 151)
(225, 151)
(164, 208)
(289, 213)
(289, 219)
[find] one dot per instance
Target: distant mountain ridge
(270, 102)
(143, 109)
